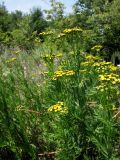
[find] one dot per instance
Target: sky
(26, 5)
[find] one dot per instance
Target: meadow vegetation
(59, 93)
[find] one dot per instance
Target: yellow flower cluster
(61, 73)
(113, 68)
(113, 78)
(11, 60)
(104, 66)
(108, 82)
(59, 107)
(97, 47)
(57, 74)
(90, 60)
(46, 33)
(102, 88)
(105, 73)
(106, 87)
(103, 63)
(72, 30)
(87, 63)
(99, 65)
(91, 57)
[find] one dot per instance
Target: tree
(56, 12)
(55, 15)
(37, 21)
(4, 18)
(16, 17)
(102, 18)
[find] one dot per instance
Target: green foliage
(4, 18)
(87, 131)
(101, 17)
(37, 22)
(56, 11)
(16, 17)
(60, 99)
(18, 29)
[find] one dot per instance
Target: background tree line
(100, 19)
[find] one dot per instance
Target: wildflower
(112, 67)
(11, 60)
(19, 107)
(114, 82)
(97, 47)
(61, 103)
(96, 64)
(61, 35)
(59, 107)
(59, 55)
(46, 33)
(102, 90)
(102, 77)
(102, 86)
(61, 73)
(72, 30)
(114, 107)
(91, 57)
(70, 73)
(107, 62)
(84, 63)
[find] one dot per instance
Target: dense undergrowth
(59, 99)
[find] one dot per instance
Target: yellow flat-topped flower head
(97, 47)
(113, 68)
(61, 73)
(58, 107)
(46, 33)
(70, 30)
(102, 77)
